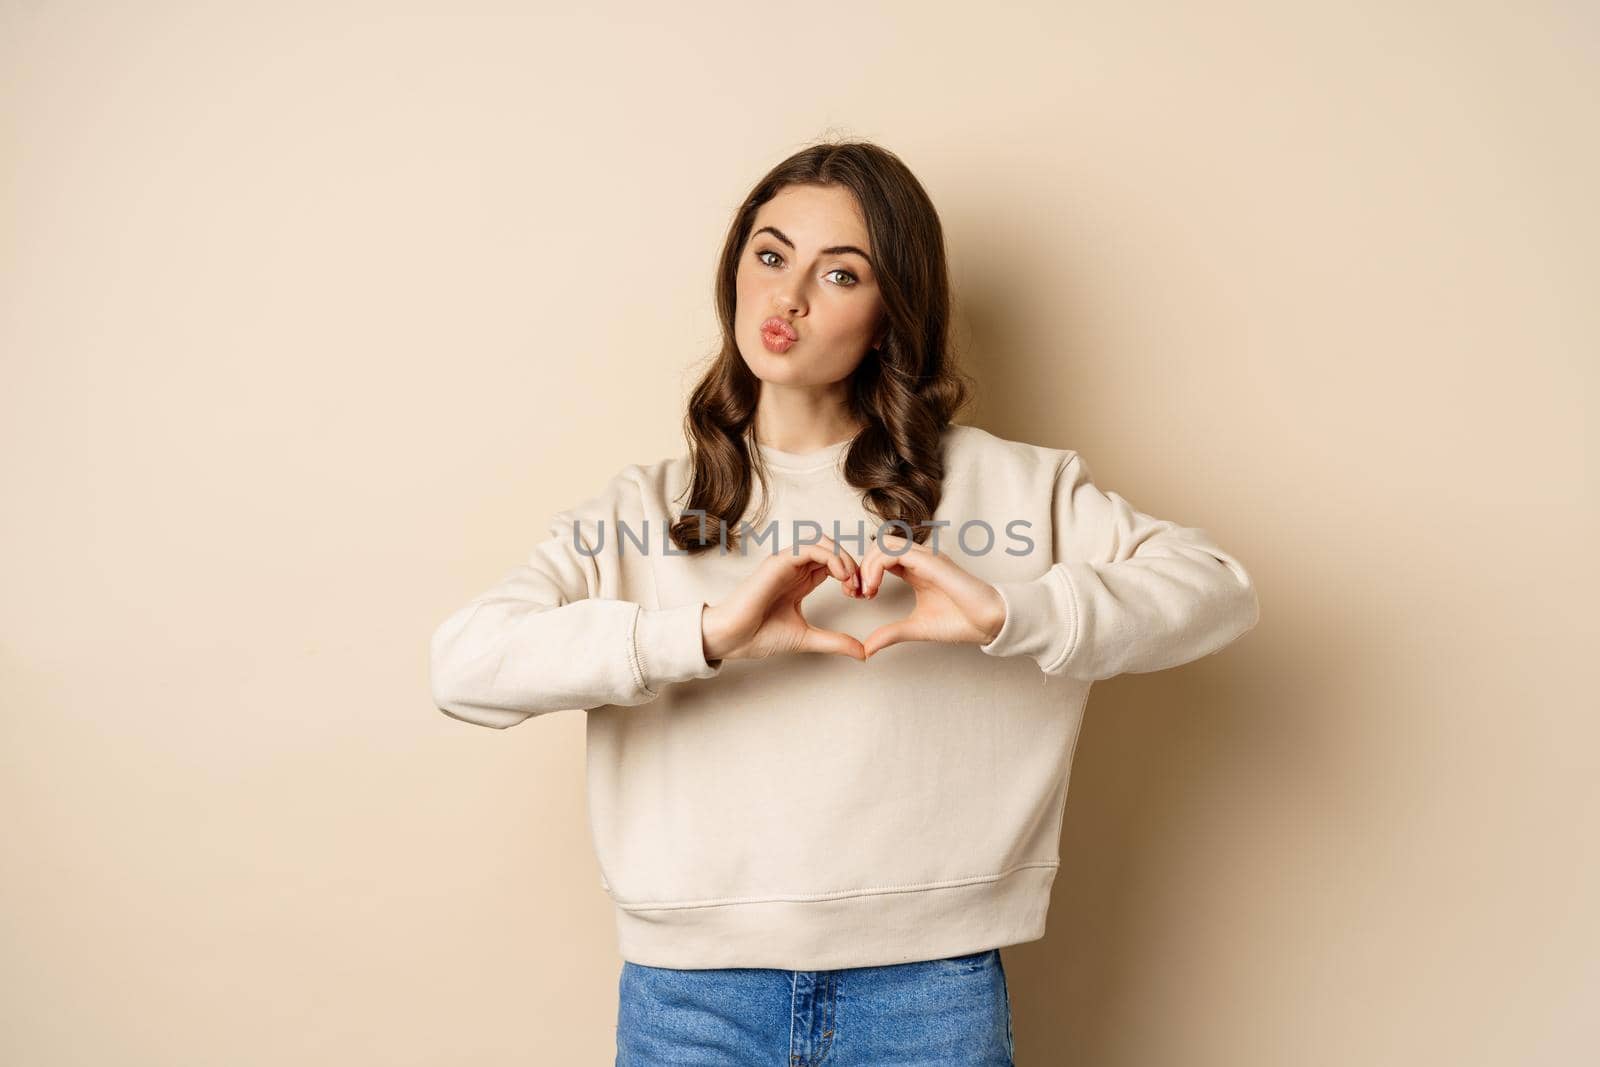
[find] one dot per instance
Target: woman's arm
(550, 636)
(1130, 593)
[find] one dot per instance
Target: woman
(816, 842)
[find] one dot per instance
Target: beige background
(314, 313)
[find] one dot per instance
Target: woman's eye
(761, 255)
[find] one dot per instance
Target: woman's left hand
(953, 606)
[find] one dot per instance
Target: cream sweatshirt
(812, 811)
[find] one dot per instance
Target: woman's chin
(771, 367)
(787, 370)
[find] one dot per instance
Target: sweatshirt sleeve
(1129, 593)
(552, 634)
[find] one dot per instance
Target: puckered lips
(778, 334)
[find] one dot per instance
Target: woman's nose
(787, 299)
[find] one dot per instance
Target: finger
(786, 581)
(815, 577)
(941, 570)
(875, 566)
(784, 577)
(894, 553)
(801, 557)
(852, 566)
(872, 570)
(839, 562)
(782, 573)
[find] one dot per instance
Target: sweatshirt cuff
(669, 647)
(1043, 619)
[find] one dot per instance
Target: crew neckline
(816, 459)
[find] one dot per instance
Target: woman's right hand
(762, 618)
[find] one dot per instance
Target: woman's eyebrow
(834, 250)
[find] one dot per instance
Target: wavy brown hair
(905, 391)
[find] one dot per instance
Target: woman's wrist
(712, 642)
(994, 619)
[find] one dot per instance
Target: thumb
(816, 639)
(890, 633)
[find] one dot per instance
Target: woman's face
(807, 263)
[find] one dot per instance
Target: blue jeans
(952, 1012)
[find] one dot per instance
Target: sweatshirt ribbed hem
(875, 928)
